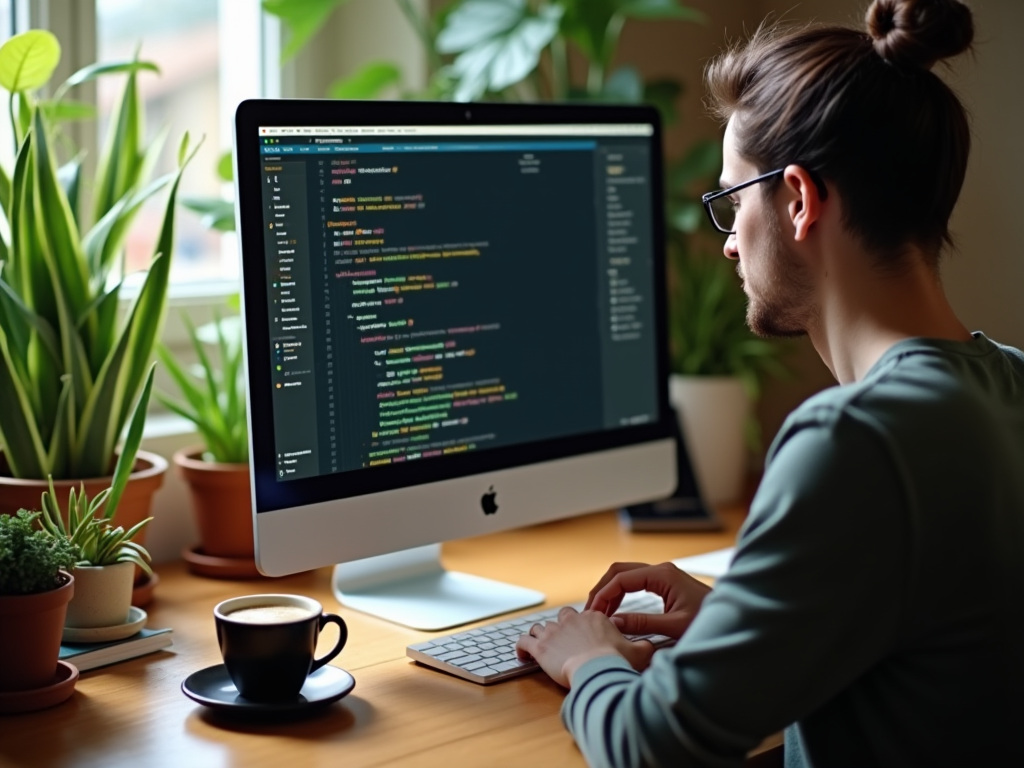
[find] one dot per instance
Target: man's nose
(731, 249)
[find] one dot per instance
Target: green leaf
(475, 22)
(24, 450)
(126, 459)
(55, 223)
(225, 168)
(623, 86)
(105, 310)
(66, 111)
(5, 192)
(215, 213)
(69, 176)
(28, 60)
(104, 241)
(57, 455)
(367, 83)
(99, 69)
(660, 9)
(663, 94)
(304, 18)
(151, 303)
(686, 217)
(38, 323)
(24, 118)
(702, 163)
(121, 159)
(499, 43)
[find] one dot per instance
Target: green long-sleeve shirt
(876, 599)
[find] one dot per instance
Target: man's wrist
(574, 662)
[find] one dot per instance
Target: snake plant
(214, 397)
(89, 531)
(71, 373)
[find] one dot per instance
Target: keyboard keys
(488, 654)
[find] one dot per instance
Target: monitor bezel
(268, 493)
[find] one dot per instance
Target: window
(210, 58)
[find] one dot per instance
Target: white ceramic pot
(712, 414)
(103, 596)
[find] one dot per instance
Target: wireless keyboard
(487, 654)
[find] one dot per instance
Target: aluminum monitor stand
(412, 588)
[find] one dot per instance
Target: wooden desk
(134, 714)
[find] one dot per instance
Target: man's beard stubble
(782, 306)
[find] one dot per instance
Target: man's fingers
(659, 579)
(647, 623)
(525, 646)
(614, 570)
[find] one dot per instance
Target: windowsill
(162, 425)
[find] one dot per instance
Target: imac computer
(455, 324)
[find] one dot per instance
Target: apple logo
(487, 503)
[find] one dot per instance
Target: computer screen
(439, 293)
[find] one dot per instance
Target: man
(875, 600)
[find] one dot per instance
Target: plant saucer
(136, 621)
(202, 564)
(142, 591)
(59, 689)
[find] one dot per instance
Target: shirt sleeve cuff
(586, 673)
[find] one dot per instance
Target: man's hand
(682, 594)
(562, 647)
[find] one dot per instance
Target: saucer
(59, 689)
(136, 621)
(213, 687)
(142, 591)
(216, 567)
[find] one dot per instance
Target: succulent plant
(95, 539)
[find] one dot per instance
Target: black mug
(268, 643)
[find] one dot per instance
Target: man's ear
(803, 201)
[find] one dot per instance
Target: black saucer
(213, 688)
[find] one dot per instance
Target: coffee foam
(270, 614)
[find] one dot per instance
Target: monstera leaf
(499, 43)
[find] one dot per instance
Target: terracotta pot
(103, 595)
(134, 506)
(221, 502)
(30, 638)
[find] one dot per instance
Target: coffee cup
(268, 643)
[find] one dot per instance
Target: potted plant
(35, 588)
(107, 554)
(217, 472)
(718, 365)
(71, 372)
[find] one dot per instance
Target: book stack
(91, 655)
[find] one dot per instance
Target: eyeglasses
(722, 211)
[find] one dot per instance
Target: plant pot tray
(202, 564)
(55, 692)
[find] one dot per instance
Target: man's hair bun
(918, 33)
